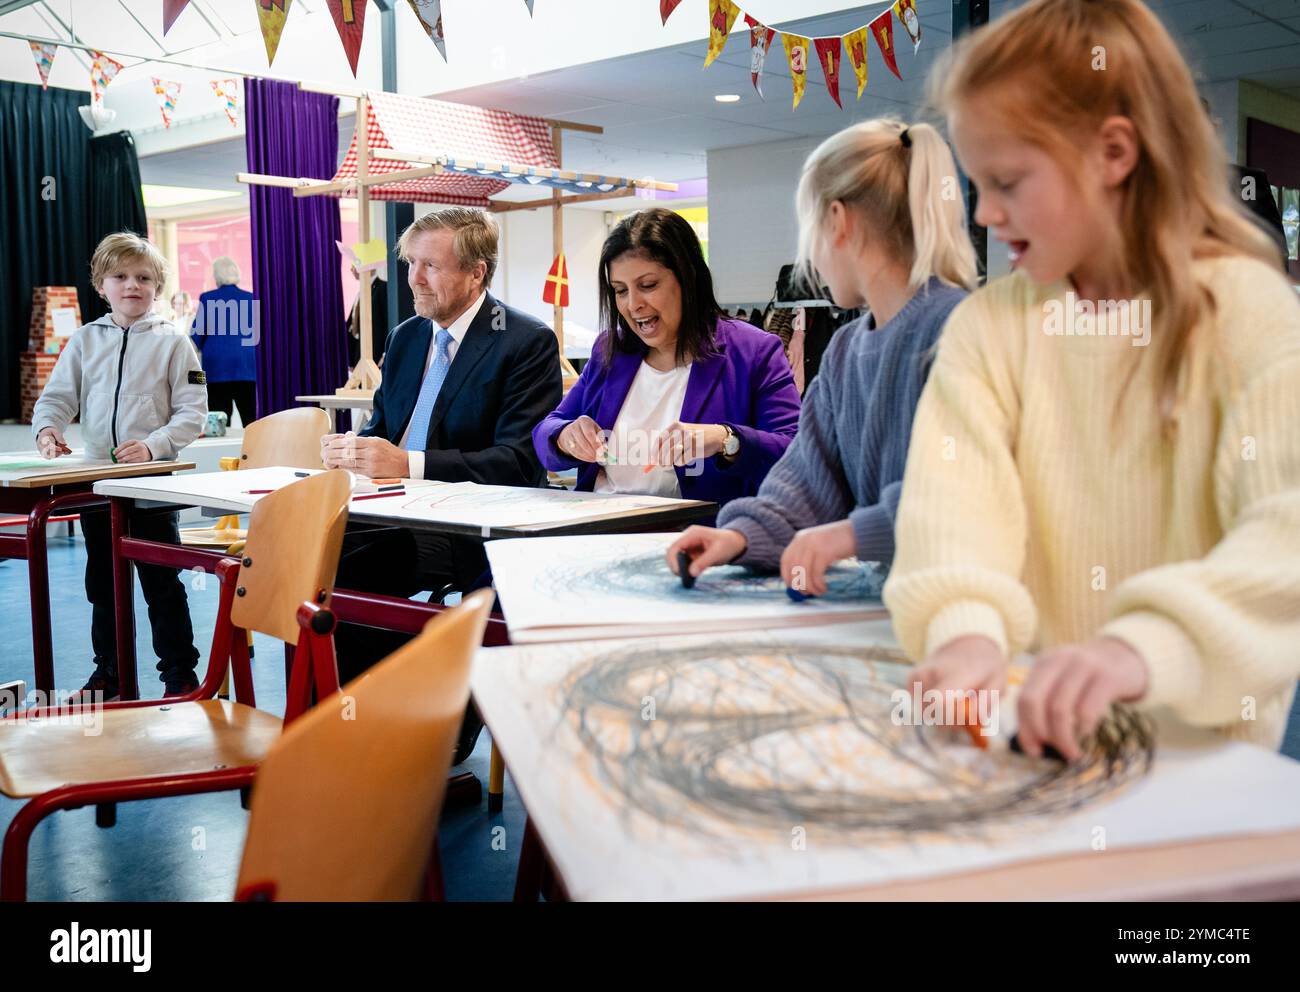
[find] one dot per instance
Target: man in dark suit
(465, 382)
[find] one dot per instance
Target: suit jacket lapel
(410, 376)
(478, 341)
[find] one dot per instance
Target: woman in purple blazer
(676, 400)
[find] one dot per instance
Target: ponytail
(904, 181)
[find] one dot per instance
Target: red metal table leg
(38, 577)
(38, 580)
(123, 603)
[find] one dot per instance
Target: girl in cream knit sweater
(1105, 464)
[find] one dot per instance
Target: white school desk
(219, 492)
(40, 496)
(1211, 820)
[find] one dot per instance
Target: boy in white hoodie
(138, 386)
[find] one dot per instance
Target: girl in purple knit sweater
(883, 225)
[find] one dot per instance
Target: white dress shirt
(459, 327)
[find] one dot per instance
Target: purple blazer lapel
(704, 376)
(617, 385)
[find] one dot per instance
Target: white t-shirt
(653, 403)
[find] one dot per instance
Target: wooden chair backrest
(346, 805)
(292, 553)
(290, 438)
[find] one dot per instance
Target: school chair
(346, 805)
(290, 438)
(68, 757)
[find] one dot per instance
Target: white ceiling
(660, 117)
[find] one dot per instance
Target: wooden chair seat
(137, 742)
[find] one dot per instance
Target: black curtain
(44, 205)
(116, 200)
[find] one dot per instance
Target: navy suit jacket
(504, 379)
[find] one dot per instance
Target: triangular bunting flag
(102, 72)
(430, 14)
(796, 53)
(557, 283)
(666, 8)
(228, 90)
(883, 29)
(906, 11)
(828, 54)
(350, 22)
(722, 15)
(172, 10)
(760, 41)
(167, 93)
(529, 4)
(855, 45)
(44, 56)
(271, 15)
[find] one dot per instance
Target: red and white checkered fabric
(452, 129)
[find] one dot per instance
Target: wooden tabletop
(97, 474)
(1265, 866)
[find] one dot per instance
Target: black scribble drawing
(724, 737)
(647, 576)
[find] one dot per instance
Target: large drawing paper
(619, 585)
(18, 465)
(465, 503)
(768, 764)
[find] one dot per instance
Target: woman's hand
(682, 444)
(706, 546)
(582, 439)
(1070, 688)
(813, 550)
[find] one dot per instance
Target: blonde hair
(225, 271)
(895, 175)
(477, 236)
(118, 249)
(1038, 69)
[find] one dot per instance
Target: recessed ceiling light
(728, 98)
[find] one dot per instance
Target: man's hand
(132, 453)
(50, 443)
(369, 456)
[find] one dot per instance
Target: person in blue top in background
(226, 334)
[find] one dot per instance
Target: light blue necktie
(418, 435)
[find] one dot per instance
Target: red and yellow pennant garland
(350, 22)
(271, 15)
(760, 41)
(832, 53)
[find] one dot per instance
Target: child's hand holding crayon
(132, 453)
(50, 443)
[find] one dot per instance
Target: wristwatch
(731, 446)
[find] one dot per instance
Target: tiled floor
(189, 848)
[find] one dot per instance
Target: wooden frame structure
(424, 163)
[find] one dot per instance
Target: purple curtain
(296, 275)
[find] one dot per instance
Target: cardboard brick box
(55, 315)
(34, 370)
